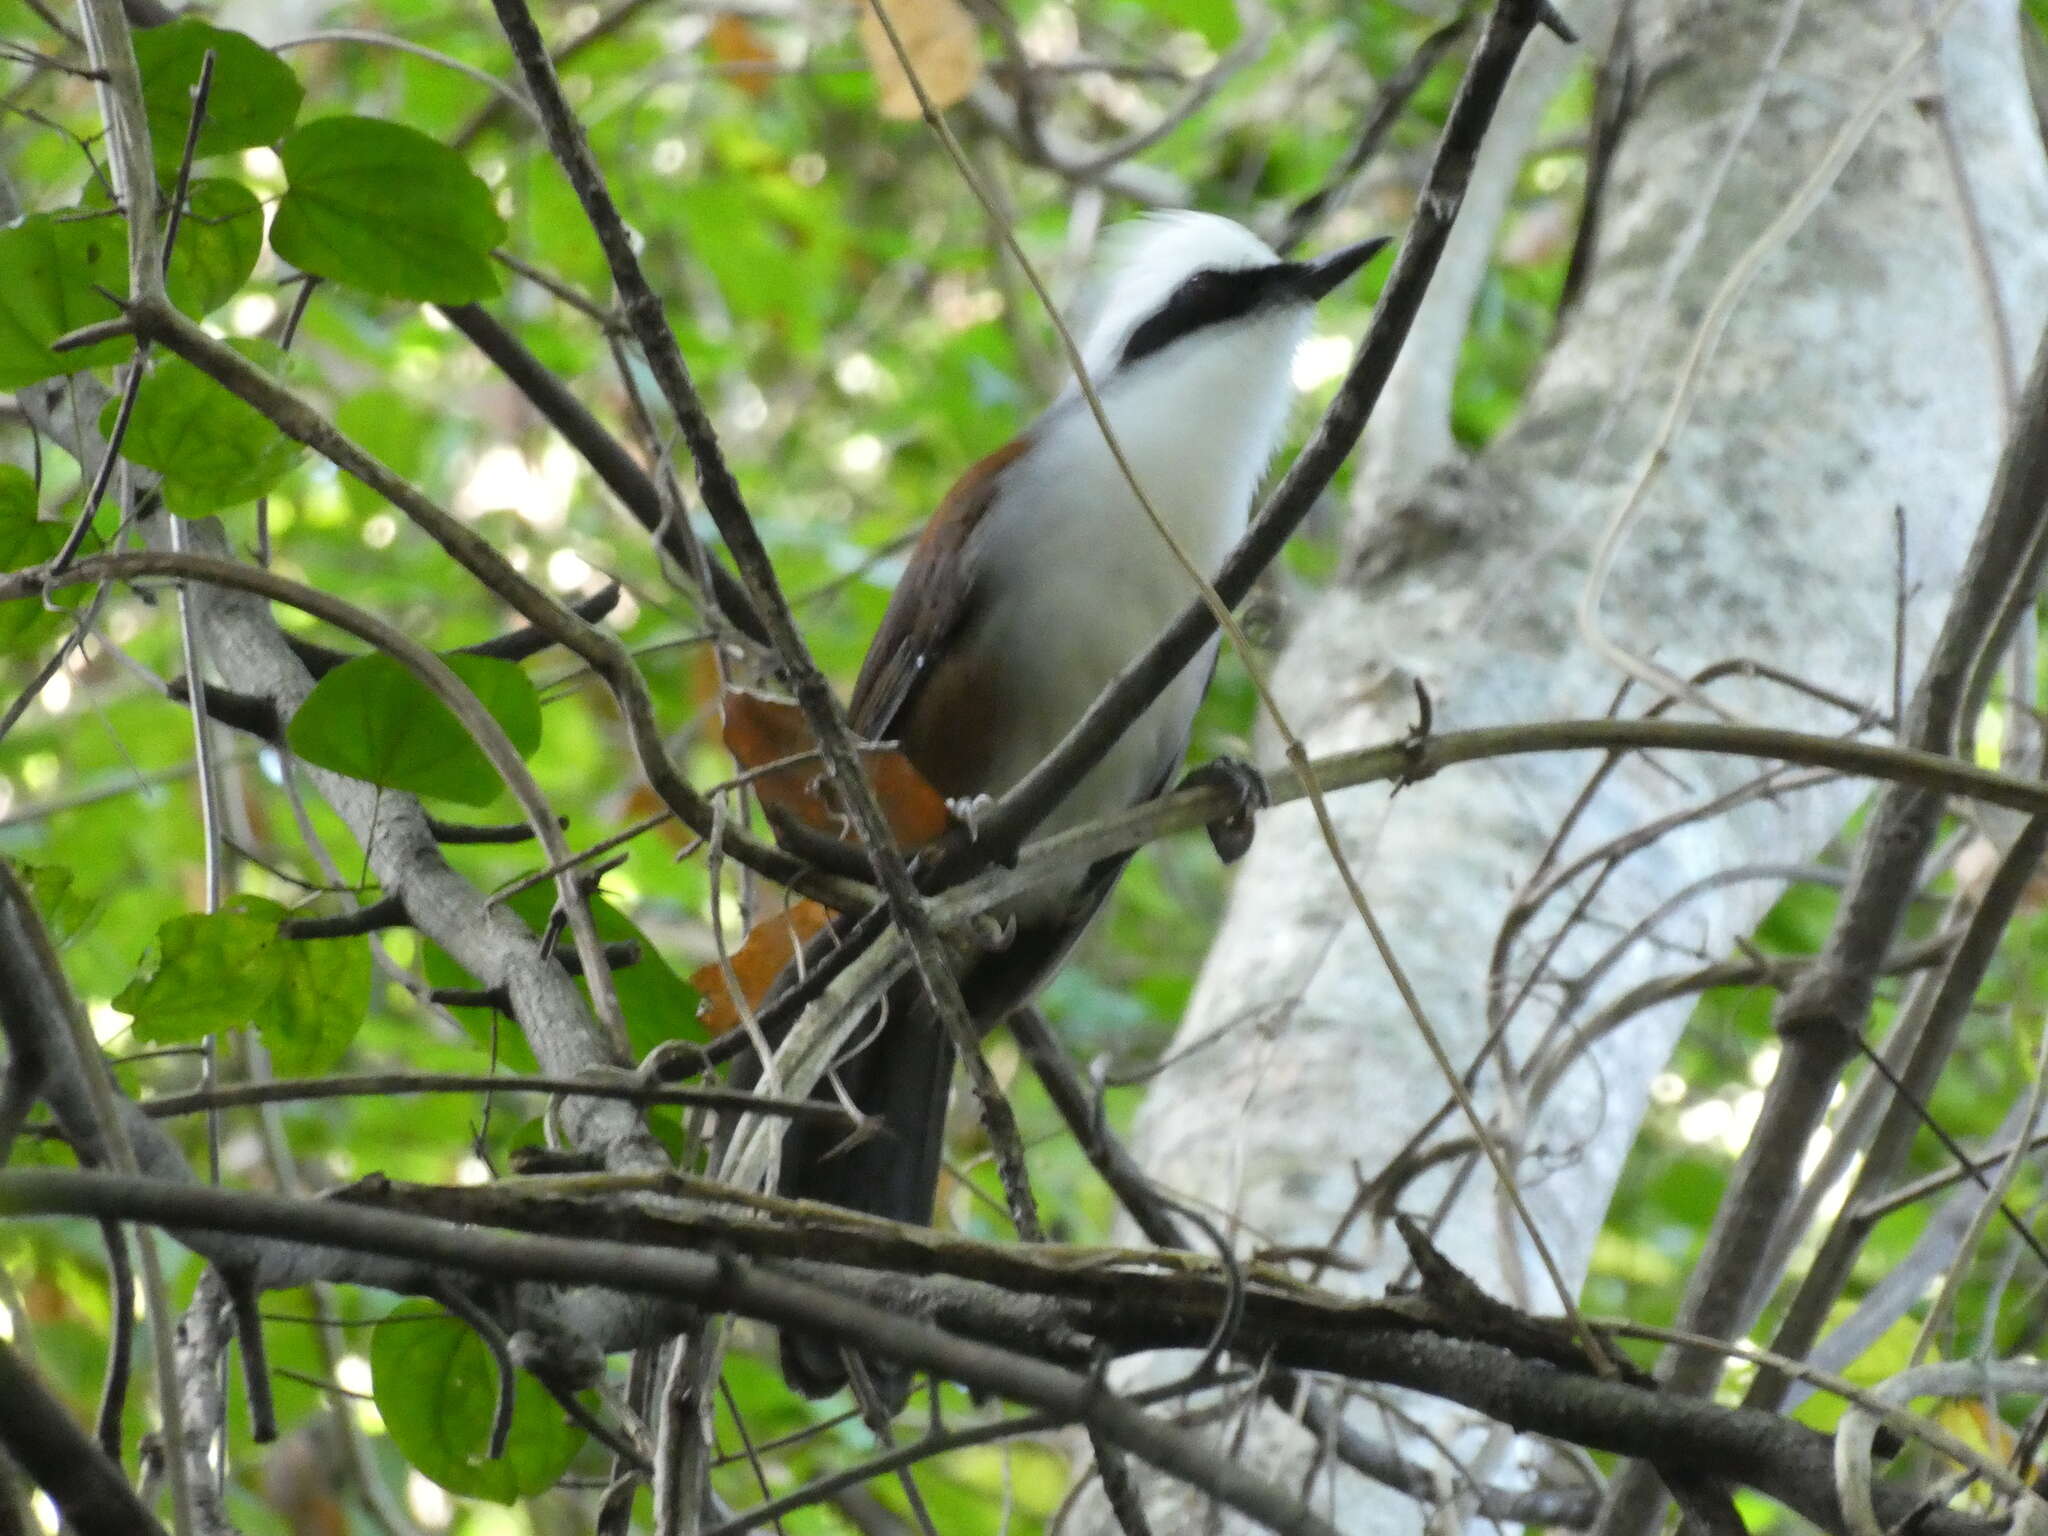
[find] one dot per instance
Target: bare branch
(1821, 1018)
(37, 1431)
(1780, 1458)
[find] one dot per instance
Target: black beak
(1323, 275)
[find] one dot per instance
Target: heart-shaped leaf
(253, 99)
(213, 449)
(371, 719)
(207, 971)
(437, 1392)
(322, 997)
(385, 208)
(219, 239)
(55, 269)
(25, 540)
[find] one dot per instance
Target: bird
(1036, 581)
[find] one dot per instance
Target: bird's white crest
(1142, 261)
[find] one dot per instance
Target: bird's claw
(995, 933)
(968, 811)
(1231, 833)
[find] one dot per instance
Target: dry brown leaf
(760, 731)
(917, 812)
(734, 43)
(943, 46)
(770, 945)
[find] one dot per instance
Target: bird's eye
(1204, 298)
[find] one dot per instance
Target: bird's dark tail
(900, 1078)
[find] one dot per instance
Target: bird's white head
(1169, 280)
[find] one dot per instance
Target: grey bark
(1856, 375)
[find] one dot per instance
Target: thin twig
(286, 1090)
(1395, 93)
(727, 508)
(1820, 1019)
(724, 1282)
(423, 663)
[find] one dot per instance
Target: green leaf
(372, 719)
(219, 240)
(492, 1031)
(253, 99)
(322, 995)
(25, 624)
(56, 264)
(386, 209)
(67, 913)
(391, 426)
(25, 540)
(213, 449)
(437, 1392)
(17, 507)
(55, 267)
(1215, 20)
(658, 1004)
(207, 972)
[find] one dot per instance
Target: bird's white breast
(1076, 581)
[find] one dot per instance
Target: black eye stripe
(1209, 297)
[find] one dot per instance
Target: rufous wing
(933, 601)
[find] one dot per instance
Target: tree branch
(1775, 1456)
(723, 1282)
(37, 1430)
(1821, 1018)
(1133, 689)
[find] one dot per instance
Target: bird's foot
(994, 933)
(1231, 833)
(968, 811)
(672, 1061)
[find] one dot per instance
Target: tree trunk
(1848, 418)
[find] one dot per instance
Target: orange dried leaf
(760, 731)
(770, 945)
(748, 61)
(917, 812)
(943, 46)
